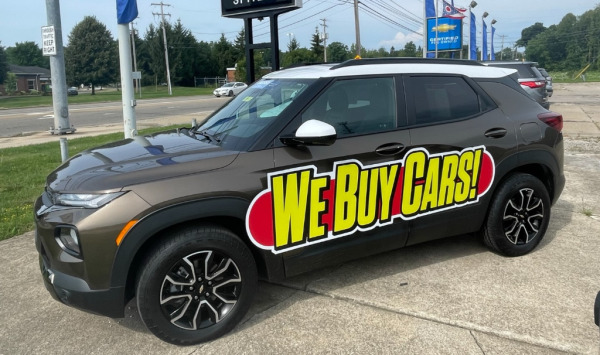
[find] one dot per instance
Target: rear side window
(438, 99)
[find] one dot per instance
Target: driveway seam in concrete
(570, 348)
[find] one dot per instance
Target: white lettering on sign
(48, 41)
(240, 2)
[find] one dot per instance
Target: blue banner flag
(484, 45)
(493, 55)
(430, 9)
(127, 11)
(473, 39)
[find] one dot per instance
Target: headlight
(85, 200)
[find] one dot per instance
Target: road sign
(48, 41)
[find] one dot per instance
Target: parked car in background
(530, 78)
(308, 167)
(548, 81)
(230, 89)
(72, 91)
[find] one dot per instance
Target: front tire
(518, 216)
(196, 285)
(230, 94)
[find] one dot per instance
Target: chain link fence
(208, 82)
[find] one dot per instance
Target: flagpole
(437, 30)
(425, 29)
(126, 12)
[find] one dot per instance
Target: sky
(22, 20)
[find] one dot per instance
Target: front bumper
(75, 292)
(84, 281)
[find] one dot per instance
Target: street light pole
(483, 34)
(471, 6)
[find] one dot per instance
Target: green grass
(569, 76)
(23, 172)
(148, 92)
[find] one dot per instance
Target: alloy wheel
(523, 216)
(200, 290)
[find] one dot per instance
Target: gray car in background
(530, 78)
(549, 88)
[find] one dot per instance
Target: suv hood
(138, 160)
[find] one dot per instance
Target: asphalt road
(17, 122)
(450, 296)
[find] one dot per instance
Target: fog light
(68, 240)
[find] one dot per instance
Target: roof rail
(403, 60)
(304, 64)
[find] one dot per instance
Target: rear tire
(196, 285)
(518, 216)
(230, 93)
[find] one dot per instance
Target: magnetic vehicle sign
(302, 207)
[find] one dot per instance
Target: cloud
(401, 39)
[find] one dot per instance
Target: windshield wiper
(208, 136)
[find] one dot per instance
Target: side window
(356, 106)
(443, 98)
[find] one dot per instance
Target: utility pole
(502, 50)
(57, 70)
(324, 24)
(357, 28)
(162, 15)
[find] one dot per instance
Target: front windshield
(238, 124)
(228, 85)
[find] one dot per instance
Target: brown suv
(307, 167)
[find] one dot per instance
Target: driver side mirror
(311, 132)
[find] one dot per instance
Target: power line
(386, 18)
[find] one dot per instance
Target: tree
(10, 83)
(239, 45)
(293, 44)
(570, 45)
(337, 52)
(91, 56)
(316, 46)
(223, 53)
(27, 54)
(529, 33)
(3, 65)
(152, 55)
(297, 56)
(183, 52)
(410, 50)
(206, 64)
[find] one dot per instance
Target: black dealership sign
(247, 8)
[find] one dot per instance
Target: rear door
(458, 135)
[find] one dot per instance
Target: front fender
(149, 226)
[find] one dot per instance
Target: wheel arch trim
(148, 227)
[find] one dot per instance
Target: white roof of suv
(402, 66)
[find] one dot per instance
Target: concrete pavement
(451, 296)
